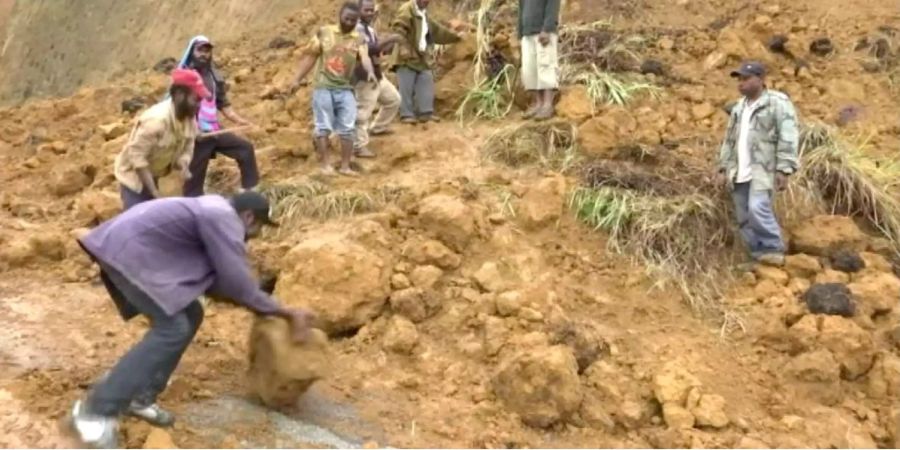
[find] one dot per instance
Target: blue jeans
(756, 219)
(334, 111)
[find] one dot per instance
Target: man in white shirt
(757, 157)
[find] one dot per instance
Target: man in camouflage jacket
(757, 157)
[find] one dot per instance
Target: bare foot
(364, 153)
(348, 172)
(326, 170)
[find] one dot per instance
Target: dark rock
(584, 339)
(653, 66)
(847, 261)
(881, 49)
(165, 65)
(281, 42)
(777, 44)
(821, 47)
(830, 298)
(133, 105)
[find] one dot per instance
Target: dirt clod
(825, 235)
(540, 385)
(847, 261)
(281, 370)
(401, 335)
(821, 47)
(831, 298)
(159, 438)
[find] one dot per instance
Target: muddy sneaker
(409, 121)
(771, 259)
(429, 118)
(153, 414)
(93, 430)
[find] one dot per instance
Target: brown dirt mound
(280, 370)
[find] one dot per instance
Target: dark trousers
(142, 374)
(131, 198)
(230, 145)
(416, 92)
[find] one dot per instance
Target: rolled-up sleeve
(222, 237)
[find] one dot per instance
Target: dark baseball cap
(255, 202)
(749, 69)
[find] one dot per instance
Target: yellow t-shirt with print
(337, 56)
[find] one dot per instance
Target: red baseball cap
(190, 78)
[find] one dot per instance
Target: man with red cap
(162, 140)
(199, 57)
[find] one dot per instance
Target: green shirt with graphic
(337, 54)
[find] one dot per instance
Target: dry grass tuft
(293, 202)
(550, 144)
(837, 173)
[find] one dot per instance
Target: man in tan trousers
(370, 96)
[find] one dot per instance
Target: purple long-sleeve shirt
(177, 249)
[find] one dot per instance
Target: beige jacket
(158, 141)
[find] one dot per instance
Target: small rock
(425, 277)
(821, 47)
(652, 66)
(401, 335)
(414, 304)
(133, 105)
(793, 423)
(665, 43)
(595, 416)
(165, 65)
(702, 111)
(774, 274)
(531, 315)
(489, 277)
(111, 131)
(281, 42)
(832, 276)
(672, 383)
(876, 262)
(495, 334)
(802, 266)
(847, 261)
(799, 285)
(400, 282)
(748, 442)
(832, 298)
(159, 438)
(710, 412)
(509, 303)
(677, 417)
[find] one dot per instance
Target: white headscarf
(423, 41)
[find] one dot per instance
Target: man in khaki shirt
(161, 140)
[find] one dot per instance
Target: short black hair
(350, 6)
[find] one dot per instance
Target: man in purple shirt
(156, 259)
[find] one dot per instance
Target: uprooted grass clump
(292, 202)
(550, 144)
(836, 173)
(491, 99)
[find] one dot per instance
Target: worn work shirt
(177, 249)
(745, 159)
(337, 54)
(159, 142)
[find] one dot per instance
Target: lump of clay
(280, 369)
(540, 385)
(830, 298)
(847, 261)
(825, 235)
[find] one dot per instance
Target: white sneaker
(152, 414)
(93, 430)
